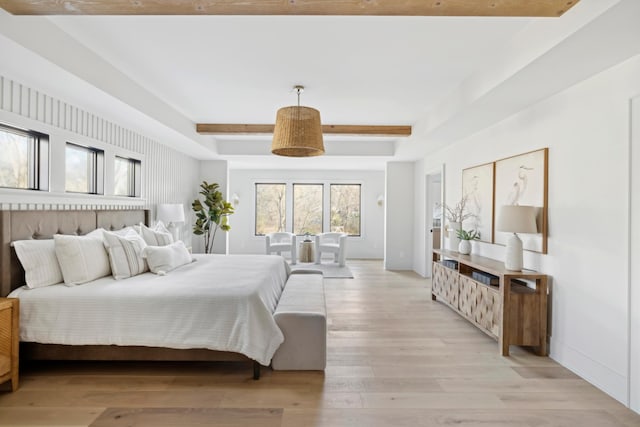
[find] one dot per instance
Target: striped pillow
(158, 236)
(38, 258)
(125, 254)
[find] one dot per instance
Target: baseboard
(611, 382)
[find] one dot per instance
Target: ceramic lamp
(516, 219)
(171, 214)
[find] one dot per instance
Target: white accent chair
(282, 242)
(335, 243)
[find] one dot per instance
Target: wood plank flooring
(395, 359)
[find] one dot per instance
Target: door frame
(428, 242)
(634, 257)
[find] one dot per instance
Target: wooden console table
(510, 312)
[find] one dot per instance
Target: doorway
(433, 215)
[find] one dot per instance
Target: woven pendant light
(298, 131)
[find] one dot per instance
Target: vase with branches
(211, 214)
(455, 216)
(458, 213)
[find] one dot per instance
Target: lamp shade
(298, 132)
(517, 219)
(170, 212)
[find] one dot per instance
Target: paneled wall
(167, 175)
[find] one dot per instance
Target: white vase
(454, 240)
(464, 247)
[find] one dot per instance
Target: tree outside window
(345, 208)
(307, 208)
(270, 208)
(14, 162)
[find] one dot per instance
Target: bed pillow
(82, 258)
(38, 258)
(124, 231)
(162, 259)
(156, 236)
(125, 254)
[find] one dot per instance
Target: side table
(9, 340)
(306, 251)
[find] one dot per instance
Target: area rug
(329, 271)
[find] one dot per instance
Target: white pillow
(162, 259)
(125, 254)
(38, 258)
(158, 236)
(82, 258)
(124, 231)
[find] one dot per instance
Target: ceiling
(162, 74)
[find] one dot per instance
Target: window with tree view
(126, 177)
(270, 208)
(84, 169)
(24, 159)
(307, 208)
(345, 208)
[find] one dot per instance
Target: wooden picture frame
(478, 187)
(522, 180)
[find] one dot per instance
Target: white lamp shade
(170, 213)
(517, 219)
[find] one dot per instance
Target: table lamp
(171, 214)
(516, 219)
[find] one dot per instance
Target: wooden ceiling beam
(354, 130)
(529, 8)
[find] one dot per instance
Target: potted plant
(455, 216)
(464, 247)
(211, 215)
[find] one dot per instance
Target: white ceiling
(170, 72)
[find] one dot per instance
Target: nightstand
(9, 340)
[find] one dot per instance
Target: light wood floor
(395, 359)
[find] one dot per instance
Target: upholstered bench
(302, 317)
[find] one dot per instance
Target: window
(127, 177)
(345, 208)
(307, 208)
(84, 169)
(24, 162)
(270, 208)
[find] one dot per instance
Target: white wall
(634, 258)
(214, 171)
(586, 128)
(167, 175)
(399, 226)
(242, 182)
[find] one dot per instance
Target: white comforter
(218, 302)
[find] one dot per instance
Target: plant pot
(464, 247)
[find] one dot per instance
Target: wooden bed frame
(24, 225)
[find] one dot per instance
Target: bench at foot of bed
(302, 317)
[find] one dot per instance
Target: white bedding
(219, 302)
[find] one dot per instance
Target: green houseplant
(468, 235)
(211, 215)
(464, 247)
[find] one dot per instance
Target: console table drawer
(488, 309)
(467, 299)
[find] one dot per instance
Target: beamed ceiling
(410, 77)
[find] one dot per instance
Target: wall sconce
(235, 199)
(380, 200)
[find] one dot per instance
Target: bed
(216, 308)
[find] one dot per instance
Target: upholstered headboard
(24, 225)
